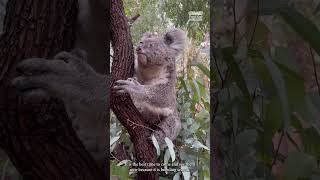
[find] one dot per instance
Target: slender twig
(255, 25)
(277, 151)
(314, 68)
(234, 23)
(254, 96)
(293, 142)
(134, 18)
(216, 64)
(215, 109)
(133, 123)
(239, 20)
(115, 157)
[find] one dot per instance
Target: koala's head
(159, 51)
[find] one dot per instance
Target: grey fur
(68, 76)
(153, 88)
(84, 92)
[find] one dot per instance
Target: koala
(69, 77)
(153, 87)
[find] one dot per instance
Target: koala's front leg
(68, 77)
(143, 96)
(168, 127)
(132, 87)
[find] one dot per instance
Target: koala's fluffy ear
(176, 39)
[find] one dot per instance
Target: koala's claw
(123, 82)
(120, 92)
(132, 79)
(129, 81)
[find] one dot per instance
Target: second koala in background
(153, 88)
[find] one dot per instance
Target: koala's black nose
(138, 49)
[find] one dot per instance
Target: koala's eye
(140, 42)
(151, 45)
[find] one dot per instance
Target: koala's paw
(130, 86)
(67, 76)
(51, 75)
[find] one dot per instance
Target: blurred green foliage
(262, 90)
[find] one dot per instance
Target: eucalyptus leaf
(166, 160)
(303, 26)
(113, 140)
(298, 165)
(176, 176)
(170, 148)
(155, 144)
(185, 172)
(203, 68)
(198, 144)
(235, 70)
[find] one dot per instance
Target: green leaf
(123, 162)
(274, 117)
(286, 57)
(281, 90)
(183, 83)
(295, 88)
(310, 139)
(121, 172)
(260, 34)
(185, 172)
(197, 89)
(298, 165)
(113, 140)
(166, 160)
(177, 176)
(203, 68)
(156, 144)
(170, 147)
(193, 128)
(235, 70)
(268, 71)
(303, 26)
(197, 144)
(202, 88)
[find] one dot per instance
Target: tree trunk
(38, 137)
(123, 107)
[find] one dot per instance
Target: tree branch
(122, 106)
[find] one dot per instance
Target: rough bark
(123, 107)
(38, 137)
